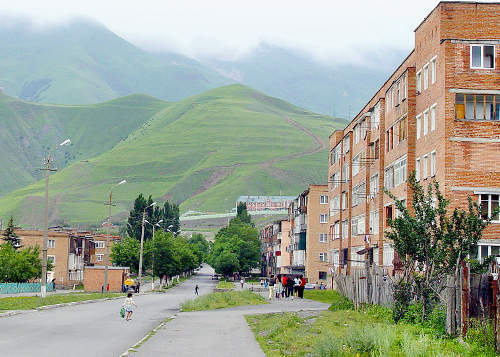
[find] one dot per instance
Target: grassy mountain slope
(202, 152)
(30, 131)
(83, 62)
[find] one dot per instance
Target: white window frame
(346, 144)
(489, 194)
(53, 258)
(433, 116)
(51, 243)
(345, 172)
(345, 228)
(323, 237)
(344, 200)
(433, 69)
(99, 244)
(400, 171)
(323, 199)
(424, 167)
(419, 124)
(356, 167)
(417, 169)
(374, 220)
(323, 257)
(426, 122)
(374, 184)
(482, 59)
(419, 81)
(426, 75)
(99, 257)
(323, 218)
(433, 163)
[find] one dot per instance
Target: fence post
(450, 306)
(465, 298)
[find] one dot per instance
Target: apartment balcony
(75, 262)
(299, 258)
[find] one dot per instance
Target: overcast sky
(331, 30)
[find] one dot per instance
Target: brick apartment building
(437, 115)
(308, 247)
(265, 203)
(69, 251)
(274, 238)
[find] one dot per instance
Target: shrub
(374, 340)
(330, 347)
(413, 314)
(437, 321)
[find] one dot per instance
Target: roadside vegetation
(367, 331)
(222, 300)
(32, 302)
(223, 284)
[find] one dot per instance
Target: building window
(433, 164)
(323, 238)
(335, 180)
(400, 172)
(357, 133)
(335, 154)
(426, 122)
(426, 76)
(356, 165)
(433, 117)
(477, 106)
(51, 259)
(489, 203)
(375, 118)
(419, 124)
(388, 215)
(374, 222)
(334, 205)
(344, 200)
(336, 230)
(482, 56)
(402, 129)
(424, 167)
(346, 144)
(323, 257)
(51, 243)
(389, 178)
(323, 199)
(99, 244)
(419, 81)
(345, 229)
(374, 185)
(358, 225)
(323, 218)
(99, 257)
(433, 70)
(358, 194)
(345, 173)
(417, 169)
(322, 275)
(376, 149)
(398, 95)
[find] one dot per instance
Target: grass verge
(32, 302)
(222, 300)
(225, 285)
(344, 331)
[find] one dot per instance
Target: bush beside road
(222, 300)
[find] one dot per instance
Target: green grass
(344, 331)
(222, 300)
(32, 302)
(225, 285)
(203, 151)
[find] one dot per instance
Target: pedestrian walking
(285, 288)
(302, 285)
(289, 287)
(129, 306)
(271, 287)
(278, 288)
(196, 289)
(296, 284)
(242, 282)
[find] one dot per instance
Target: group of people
(285, 286)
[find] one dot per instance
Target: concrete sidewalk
(218, 333)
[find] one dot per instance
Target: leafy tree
(134, 225)
(238, 240)
(19, 266)
(431, 243)
(170, 216)
(200, 247)
(10, 236)
(126, 253)
(242, 214)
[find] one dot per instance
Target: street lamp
(153, 253)
(139, 276)
(106, 259)
(47, 169)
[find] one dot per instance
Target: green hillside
(30, 131)
(83, 62)
(202, 152)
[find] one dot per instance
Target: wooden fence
(370, 285)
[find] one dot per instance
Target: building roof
(265, 198)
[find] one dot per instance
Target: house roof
(265, 198)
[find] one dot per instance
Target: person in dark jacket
(289, 286)
(302, 286)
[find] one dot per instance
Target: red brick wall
(94, 279)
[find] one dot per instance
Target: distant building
(265, 203)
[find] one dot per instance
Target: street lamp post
(153, 253)
(139, 276)
(47, 169)
(106, 259)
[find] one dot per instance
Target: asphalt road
(93, 329)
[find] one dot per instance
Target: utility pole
(43, 279)
(139, 276)
(106, 259)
